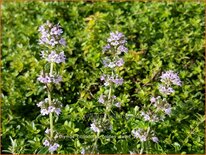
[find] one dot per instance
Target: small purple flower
(143, 138)
(43, 40)
(52, 56)
(136, 133)
(61, 57)
(146, 116)
(115, 43)
(58, 111)
(101, 99)
(106, 83)
(46, 100)
(155, 139)
(56, 30)
(53, 41)
(47, 131)
(48, 24)
(102, 78)
(168, 110)
(106, 48)
(140, 134)
(44, 112)
(44, 79)
(122, 49)
(94, 128)
(114, 97)
(53, 147)
(46, 143)
(165, 90)
(118, 104)
(40, 104)
(41, 28)
(106, 62)
(62, 42)
(153, 100)
(43, 54)
(51, 109)
(120, 62)
(118, 81)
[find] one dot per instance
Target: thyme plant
(51, 41)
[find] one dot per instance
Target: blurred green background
(161, 36)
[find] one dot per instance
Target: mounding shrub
(165, 42)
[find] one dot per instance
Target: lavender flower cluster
(51, 34)
(168, 79)
(52, 146)
(109, 80)
(161, 104)
(45, 78)
(111, 64)
(160, 108)
(46, 109)
(143, 135)
(94, 127)
(116, 42)
(53, 56)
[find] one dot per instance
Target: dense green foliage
(161, 37)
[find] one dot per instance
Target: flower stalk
(51, 38)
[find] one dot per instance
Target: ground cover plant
(120, 77)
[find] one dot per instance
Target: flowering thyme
(50, 37)
(168, 79)
(115, 46)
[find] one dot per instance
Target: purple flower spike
(51, 35)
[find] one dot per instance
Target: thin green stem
(142, 148)
(107, 104)
(51, 69)
(95, 143)
(50, 103)
(110, 92)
